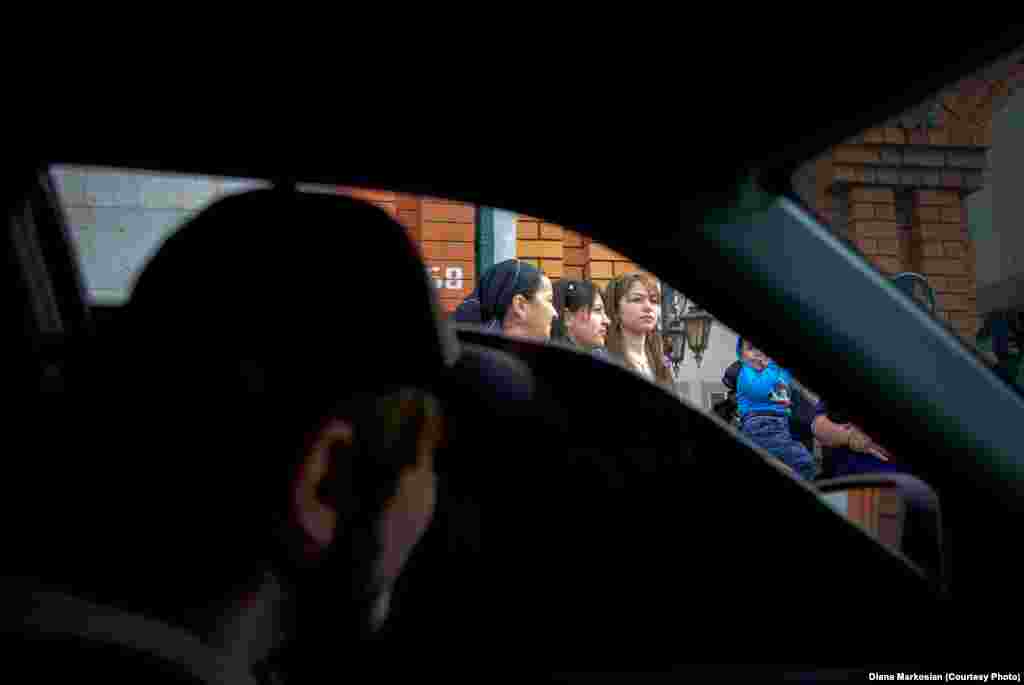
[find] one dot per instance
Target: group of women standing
(516, 298)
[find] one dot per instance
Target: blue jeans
(771, 433)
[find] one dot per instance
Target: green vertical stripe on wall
(484, 238)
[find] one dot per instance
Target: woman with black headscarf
(513, 297)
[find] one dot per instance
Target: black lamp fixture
(673, 330)
(697, 324)
(683, 323)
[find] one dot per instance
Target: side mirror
(898, 510)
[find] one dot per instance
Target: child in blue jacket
(764, 404)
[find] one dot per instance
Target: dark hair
(494, 292)
(530, 280)
(197, 473)
(1009, 319)
(219, 386)
(571, 296)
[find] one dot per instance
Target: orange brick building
(896, 193)
(445, 234)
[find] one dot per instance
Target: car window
(928, 198)
(118, 218)
(931, 198)
(935, 192)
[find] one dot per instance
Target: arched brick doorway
(898, 192)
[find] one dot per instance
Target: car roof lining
(790, 131)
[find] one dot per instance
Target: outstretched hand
(860, 442)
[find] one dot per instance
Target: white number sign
(452, 280)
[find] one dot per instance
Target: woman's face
(754, 356)
(540, 311)
(638, 309)
(590, 328)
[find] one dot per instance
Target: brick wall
(575, 255)
(444, 231)
(897, 193)
(943, 253)
(541, 244)
(447, 232)
(901, 204)
(605, 264)
(562, 253)
(874, 229)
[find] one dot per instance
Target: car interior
(626, 530)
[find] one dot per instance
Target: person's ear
(519, 306)
(314, 514)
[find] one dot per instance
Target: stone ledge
(913, 166)
(963, 181)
